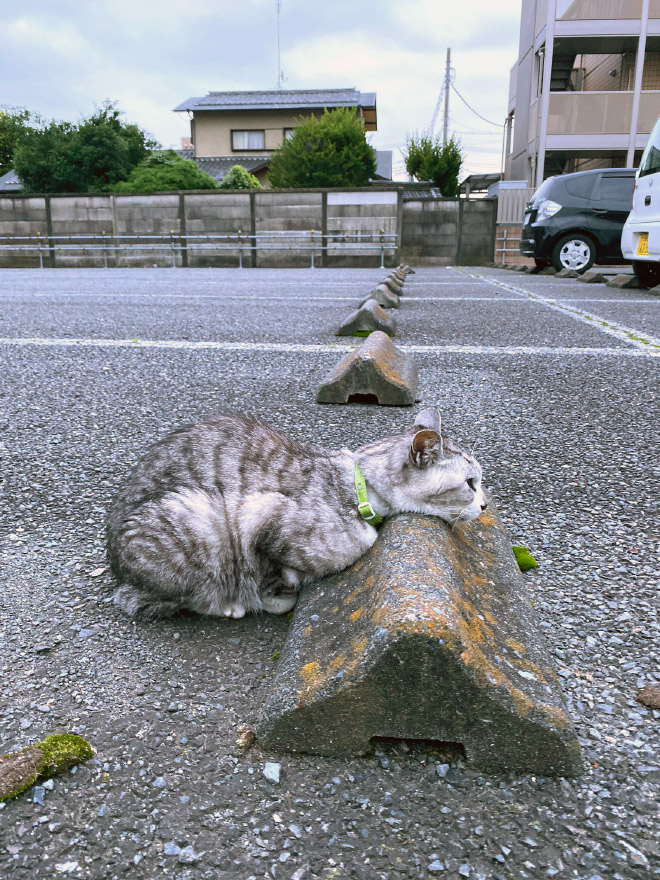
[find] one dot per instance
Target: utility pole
(445, 124)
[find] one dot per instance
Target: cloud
(151, 55)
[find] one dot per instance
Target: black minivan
(575, 220)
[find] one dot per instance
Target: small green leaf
(524, 558)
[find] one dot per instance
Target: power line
(473, 110)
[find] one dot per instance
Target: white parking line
(297, 347)
(612, 328)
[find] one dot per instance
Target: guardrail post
(382, 248)
(105, 253)
(312, 241)
(41, 257)
(504, 245)
(240, 250)
(172, 246)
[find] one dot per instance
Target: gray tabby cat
(228, 515)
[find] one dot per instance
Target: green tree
(88, 157)
(427, 159)
(14, 122)
(164, 170)
(328, 151)
(239, 178)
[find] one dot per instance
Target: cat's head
(429, 473)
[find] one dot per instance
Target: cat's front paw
(234, 609)
(279, 604)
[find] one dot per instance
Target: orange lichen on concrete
(356, 615)
(367, 584)
(308, 630)
(310, 674)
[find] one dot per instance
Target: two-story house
(244, 128)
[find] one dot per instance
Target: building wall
(431, 231)
(213, 130)
(593, 118)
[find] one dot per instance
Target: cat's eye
(472, 483)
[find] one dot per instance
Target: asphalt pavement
(552, 382)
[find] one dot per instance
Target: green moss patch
(22, 769)
(524, 558)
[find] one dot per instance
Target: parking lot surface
(554, 383)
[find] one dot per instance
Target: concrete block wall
(445, 232)
(21, 217)
(354, 214)
(291, 211)
(431, 231)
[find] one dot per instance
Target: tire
(540, 264)
(576, 251)
(648, 274)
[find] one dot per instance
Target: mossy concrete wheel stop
(366, 319)
(376, 372)
(429, 636)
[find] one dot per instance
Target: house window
(288, 133)
(248, 140)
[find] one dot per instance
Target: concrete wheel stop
(384, 297)
(376, 372)
(429, 636)
(392, 285)
(366, 319)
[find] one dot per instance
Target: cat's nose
(484, 505)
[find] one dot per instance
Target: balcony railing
(600, 112)
(603, 10)
(590, 112)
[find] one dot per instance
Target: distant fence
(511, 205)
(115, 250)
(374, 226)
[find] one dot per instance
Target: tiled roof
(9, 182)
(218, 166)
(283, 99)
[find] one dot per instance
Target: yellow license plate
(643, 245)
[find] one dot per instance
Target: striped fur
(229, 516)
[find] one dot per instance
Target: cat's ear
(428, 418)
(426, 448)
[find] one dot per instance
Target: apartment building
(585, 91)
(244, 128)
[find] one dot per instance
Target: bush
(14, 122)
(239, 178)
(427, 159)
(328, 151)
(164, 170)
(87, 157)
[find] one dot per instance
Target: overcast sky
(64, 57)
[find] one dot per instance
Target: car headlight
(547, 209)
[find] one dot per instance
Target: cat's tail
(138, 603)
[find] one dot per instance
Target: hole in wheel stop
(445, 752)
(362, 398)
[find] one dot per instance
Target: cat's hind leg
(148, 606)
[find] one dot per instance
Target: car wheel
(576, 251)
(540, 264)
(648, 274)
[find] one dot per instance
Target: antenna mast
(280, 75)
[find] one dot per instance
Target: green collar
(366, 510)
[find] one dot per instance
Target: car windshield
(650, 163)
(541, 193)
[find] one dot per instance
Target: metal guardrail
(276, 240)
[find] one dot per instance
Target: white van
(640, 240)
